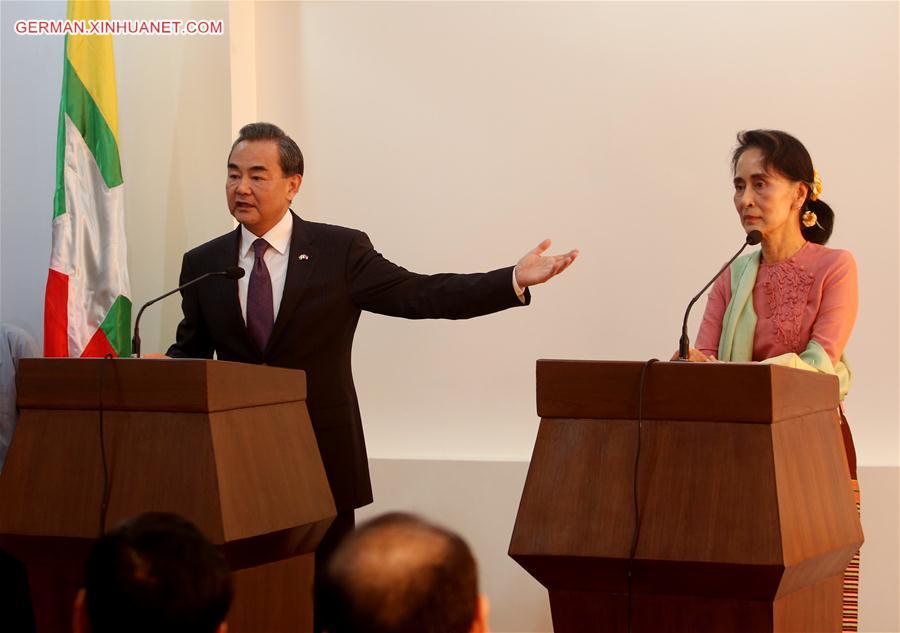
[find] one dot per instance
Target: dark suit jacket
(323, 296)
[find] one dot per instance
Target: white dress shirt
(276, 259)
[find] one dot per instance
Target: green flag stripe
(117, 326)
(59, 195)
(84, 113)
(87, 117)
(82, 109)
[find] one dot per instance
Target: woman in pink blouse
(794, 301)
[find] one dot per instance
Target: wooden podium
(747, 518)
(226, 445)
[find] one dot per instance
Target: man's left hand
(535, 268)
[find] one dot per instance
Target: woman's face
(766, 200)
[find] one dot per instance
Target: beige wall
(175, 121)
(460, 134)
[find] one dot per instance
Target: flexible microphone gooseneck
(235, 272)
(753, 238)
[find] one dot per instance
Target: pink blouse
(810, 296)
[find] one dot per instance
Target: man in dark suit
(299, 305)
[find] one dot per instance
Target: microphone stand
(684, 344)
(231, 273)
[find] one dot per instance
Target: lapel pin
(302, 256)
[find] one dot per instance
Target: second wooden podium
(745, 515)
(228, 446)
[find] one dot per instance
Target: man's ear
(80, 622)
(295, 181)
(482, 610)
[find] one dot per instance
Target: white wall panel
(460, 134)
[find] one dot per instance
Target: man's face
(258, 192)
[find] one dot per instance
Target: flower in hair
(815, 189)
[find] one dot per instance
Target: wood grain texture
(577, 499)
(276, 598)
(608, 575)
(812, 610)
(162, 462)
(588, 612)
(746, 513)
(228, 446)
(729, 392)
(820, 526)
(706, 492)
(52, 482)
(142, 384)
(270, 475)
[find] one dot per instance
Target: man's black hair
(156, 573)
(290, 156)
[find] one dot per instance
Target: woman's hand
(696, 356)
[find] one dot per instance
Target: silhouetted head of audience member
(154, 573)
(401, 574)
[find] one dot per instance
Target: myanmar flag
(87, 310)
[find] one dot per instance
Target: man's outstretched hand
(535, 268)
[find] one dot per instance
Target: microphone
(235, 272)
(753, 238)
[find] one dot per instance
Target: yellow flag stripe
(91, 56)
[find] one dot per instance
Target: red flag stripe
(98, 346)
(56, 315)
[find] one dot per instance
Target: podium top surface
(139, 384)
(723, 392)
